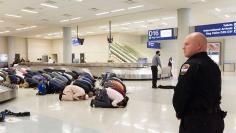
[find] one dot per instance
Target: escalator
(123, 53)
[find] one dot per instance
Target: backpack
(106, 76)
(42, 89)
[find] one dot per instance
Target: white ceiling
(151, 15)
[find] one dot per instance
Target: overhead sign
(215, 30)
(161, 34)
(155, 45)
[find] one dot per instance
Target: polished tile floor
(148, 111)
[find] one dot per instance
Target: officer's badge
(184, 69)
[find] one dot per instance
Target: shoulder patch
(184, 69)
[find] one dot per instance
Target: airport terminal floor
(148, 111)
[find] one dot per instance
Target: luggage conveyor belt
(7, 92)
(123, 70)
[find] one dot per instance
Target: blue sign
(155, 45)
(161, 34)
(75, 42)
(215, 30)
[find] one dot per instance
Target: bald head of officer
(194, 43)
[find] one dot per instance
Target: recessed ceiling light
(217, 9)
(125, 24)
(1, 32)
(79, 0)
(117, 10)
(203, 0)
(48, 5)
(134, 7)
(25, 28)
(53, 34)
(137, 22)
(12, 15)
(1, 21)
(29, 11)
(65, 20)
(168, 18)
(75, 18)
(90, 32)
(227, 16)
(102, 13)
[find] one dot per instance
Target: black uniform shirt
(199, 86)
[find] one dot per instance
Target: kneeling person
(109, 98)
(73, 92)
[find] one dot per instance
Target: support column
(10, 49)
(183, 30)
(67, 45)
(26, 49)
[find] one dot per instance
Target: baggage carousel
(7, 92)
(132, 71)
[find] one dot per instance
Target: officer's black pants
(202, 124)
(154, 76)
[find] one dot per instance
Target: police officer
(155, 62)
(197, 94)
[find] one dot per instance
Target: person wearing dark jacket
(197, 94)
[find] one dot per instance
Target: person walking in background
(170, 63)
(197, 95)
(155, 62)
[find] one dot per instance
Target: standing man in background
(155, 62)
(197, 94)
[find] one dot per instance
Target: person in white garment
(73, 92)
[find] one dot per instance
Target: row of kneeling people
(112, 94)
(47, 82)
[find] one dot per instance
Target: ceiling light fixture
(138, 22)
(217, 9)
(102, 13)
(75, 18)
(1, 21)
(168, 18)
(25, 28)
(29, 11)
(117, 10)
(48, 5)
(90, 32)
(12, 15)
(125, 24)
(54, 34)
(79, 0)
(1, 32)
(203, 0)
(134, 7)
(65, 20)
